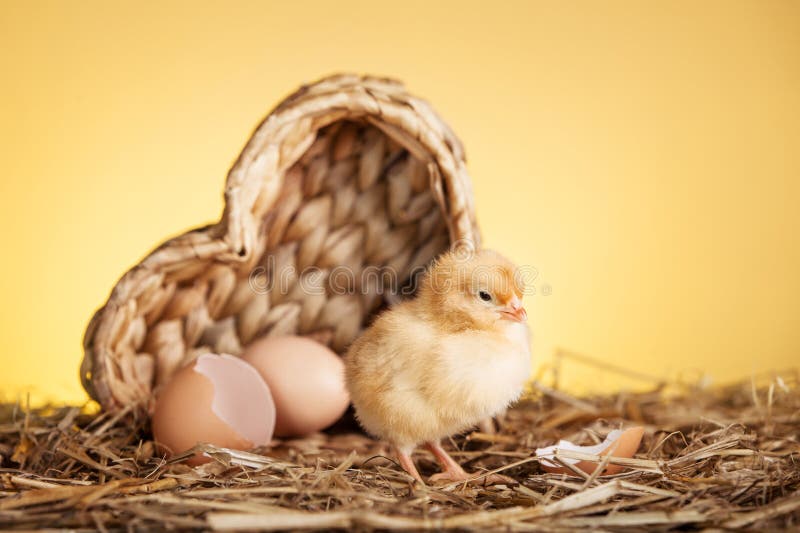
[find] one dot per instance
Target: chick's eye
(485, 296)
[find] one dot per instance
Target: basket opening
(354, 225)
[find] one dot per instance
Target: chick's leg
(404, 457)
(452, 471)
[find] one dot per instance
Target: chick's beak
(514, 311)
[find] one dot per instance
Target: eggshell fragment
(218, 399)
(306, 380)
(618, 443)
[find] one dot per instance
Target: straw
(710, 459)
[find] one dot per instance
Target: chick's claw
(449, 475)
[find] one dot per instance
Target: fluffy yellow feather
(434, 366)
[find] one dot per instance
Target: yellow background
(643, 156)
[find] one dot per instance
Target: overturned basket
(348, 176)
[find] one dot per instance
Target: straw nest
(720, 458)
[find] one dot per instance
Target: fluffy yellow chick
(436, 365)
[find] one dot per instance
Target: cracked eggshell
(218, 399)
(618, 443)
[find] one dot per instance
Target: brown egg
(618, 443)
(306, 380)
(217, 399)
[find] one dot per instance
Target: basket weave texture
(349, 180)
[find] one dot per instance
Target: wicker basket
(347, 174)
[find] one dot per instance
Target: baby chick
(436, 365)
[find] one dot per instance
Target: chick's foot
(452, 471)
(448, 476)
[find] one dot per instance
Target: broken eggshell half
(618, 443)
(216, 399)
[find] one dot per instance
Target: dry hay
(721, 458)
